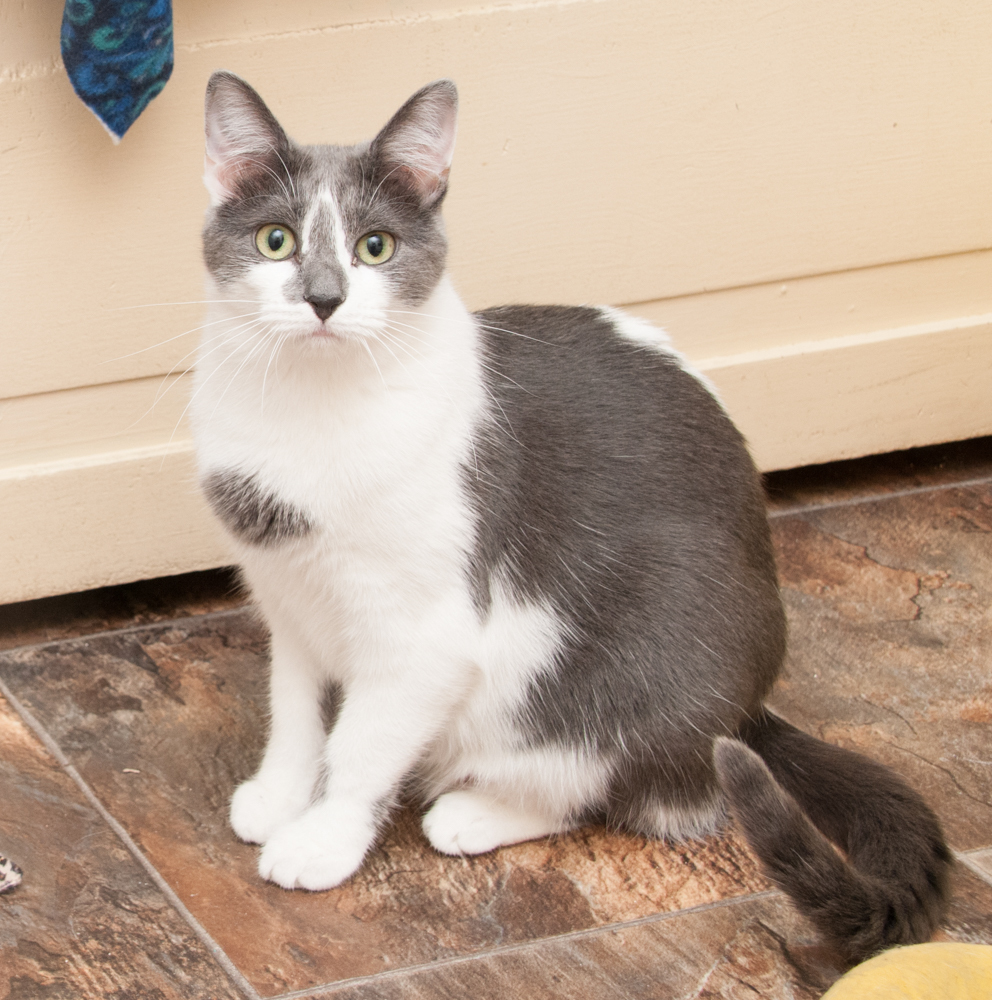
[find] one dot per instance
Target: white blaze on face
(363, 314)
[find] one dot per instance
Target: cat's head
(325, 242)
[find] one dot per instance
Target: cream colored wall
(800, 193)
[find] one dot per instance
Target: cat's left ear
(243, 138)
(416, 146)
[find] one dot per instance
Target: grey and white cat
(527, 546)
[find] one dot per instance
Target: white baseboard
(863, 394)
(98, 520)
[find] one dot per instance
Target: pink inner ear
(224, 164)
(224, 159)
(428, 182)
(420, 140)
(221, 177)
(218, 179)
(240, 135)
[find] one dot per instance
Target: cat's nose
(324, 307)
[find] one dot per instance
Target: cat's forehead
(341, 175)
(319, 170)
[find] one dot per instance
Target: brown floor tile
(891, 641)
(969, 918)
(141, 603)
(183, 706)
(875, 475)
(738, 951)
(754, 948)
(87, 921)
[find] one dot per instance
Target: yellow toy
(920, 972)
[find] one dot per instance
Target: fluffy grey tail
(793, 794)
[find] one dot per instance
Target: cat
(527, 546)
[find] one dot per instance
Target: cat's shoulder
(599, 343)
(573, 326)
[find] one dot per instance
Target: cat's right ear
(242, 136)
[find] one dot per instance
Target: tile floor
(131, 713)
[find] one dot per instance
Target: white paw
(313, 852)
(467, 822)
(258, 810)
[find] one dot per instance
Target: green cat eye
(375, 248)
(275, 242)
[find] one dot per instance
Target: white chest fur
(369, 441)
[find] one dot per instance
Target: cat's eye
(275, 242)
(375, 248)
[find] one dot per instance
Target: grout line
(878, 498)
(218, 954)
(316, 991)
(654, 918)
(965, 859)
(187, 620)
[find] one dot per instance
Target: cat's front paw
(258, 810)
(313, 852)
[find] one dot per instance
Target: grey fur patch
(610, 483)
(252, 514)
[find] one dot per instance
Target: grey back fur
(612, 484)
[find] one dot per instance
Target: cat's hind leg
(468, 821)
(515, 796)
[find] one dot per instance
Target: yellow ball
(920, 972)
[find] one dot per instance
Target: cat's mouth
(322, 332)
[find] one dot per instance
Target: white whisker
(203, 384)
(289, 176)
(280, 340)
(509, 427)
(478, 322)
(226, 338)
(368, 350)
(160, 392)
(269, 169)
(169, 340)
(383, 181)
(251, 354)
(191, 302)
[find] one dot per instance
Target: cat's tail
(793, 794)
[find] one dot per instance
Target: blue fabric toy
(118, 54)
